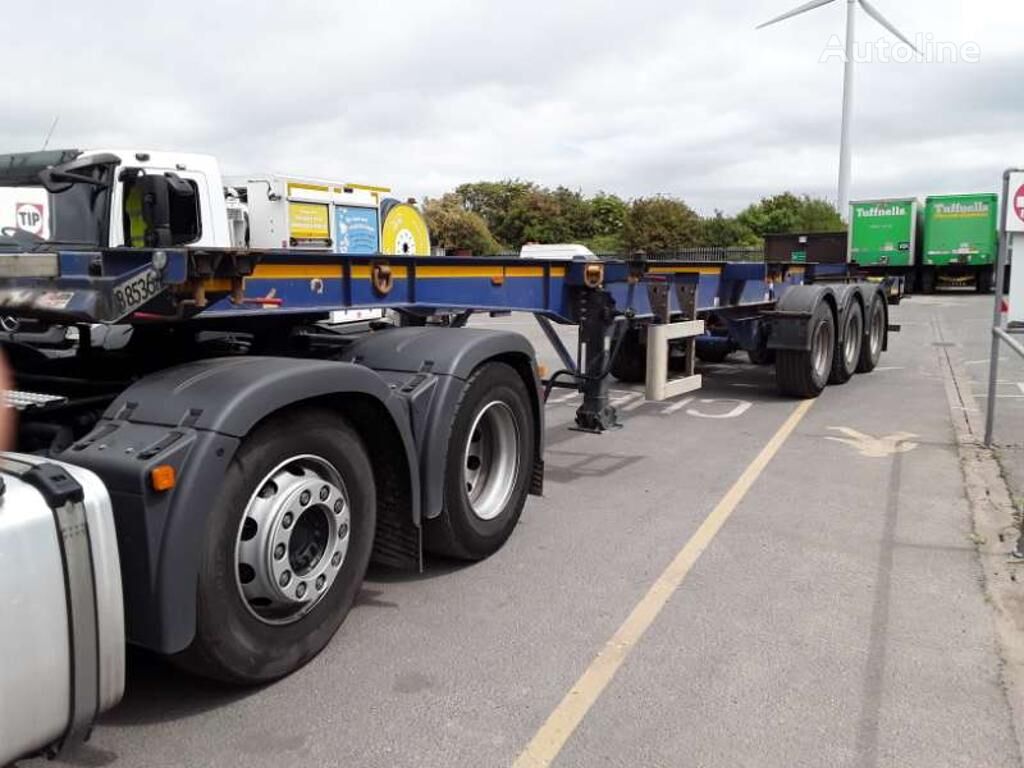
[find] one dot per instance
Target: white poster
(1016, 292)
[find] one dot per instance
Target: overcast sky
(636, 98)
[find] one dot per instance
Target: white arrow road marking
(875, 447)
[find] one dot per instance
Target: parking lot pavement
(836, 616)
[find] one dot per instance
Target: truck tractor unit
(172, 345)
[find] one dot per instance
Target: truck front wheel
(805, 373)
(487, 472)
(287, 544)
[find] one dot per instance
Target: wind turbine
(844, 140)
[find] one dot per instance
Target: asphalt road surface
(816, 600)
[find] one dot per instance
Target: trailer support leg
(596, 318)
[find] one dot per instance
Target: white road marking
(1020, 386)
(676, 406)
(563, 398)
(985, 360)
(620, 401)
(890, 368)
(633, 406)
(741, 407)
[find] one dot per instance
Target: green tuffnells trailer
(883, 236)
(959, 241)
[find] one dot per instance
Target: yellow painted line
(297, 271)
(552, 736)
(307, 271)
(368, 187)
(298, 186)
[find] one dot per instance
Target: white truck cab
(84, 197)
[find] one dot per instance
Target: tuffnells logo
(878, 211)
(977, 208)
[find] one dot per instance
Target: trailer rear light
(162, 477)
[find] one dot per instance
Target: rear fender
(432, 365)
(194, 417)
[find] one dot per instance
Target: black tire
(761, 356)
(712, 353)
(805, 373)
(874, 335)
(847, 354)
(231, 643)
(630, 363)
(909, 283)
(984, 280)
(926, 281)
(479, 515)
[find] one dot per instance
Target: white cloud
(636, 98)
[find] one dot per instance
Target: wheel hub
(491, 460)
(292, 539)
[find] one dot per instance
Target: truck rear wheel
(874, 336)
(983, 280)
(630, 362)
(487, 473)
(847, 355)
(286, 548)
(805, 373)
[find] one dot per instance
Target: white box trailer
(314, 214)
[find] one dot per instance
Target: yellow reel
(404, 232)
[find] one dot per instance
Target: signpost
(1008, 313)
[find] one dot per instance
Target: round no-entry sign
(1017, 201)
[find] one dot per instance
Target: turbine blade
(795, 12)
(875, 14)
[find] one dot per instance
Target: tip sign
(1015, 205)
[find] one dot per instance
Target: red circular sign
(1018, 203)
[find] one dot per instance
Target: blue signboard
(356, 230)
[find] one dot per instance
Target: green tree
(789, 213)
(660, 224)
(455, 228)
(519, 212)
(721, 231)
(608, 213)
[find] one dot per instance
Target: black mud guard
(790, 320)
(193, 417)
(434, 363)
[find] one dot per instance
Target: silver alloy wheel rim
(852, 342)
(490, 465)
(876, 331)
(821, 348)
(292, 539)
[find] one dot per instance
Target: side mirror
(156, 210)
(167, 204)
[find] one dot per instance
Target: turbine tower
(844, 138)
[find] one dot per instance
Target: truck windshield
(69, 210)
